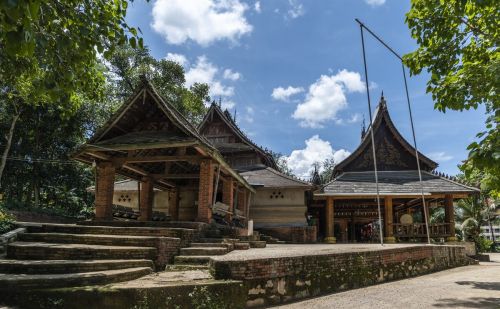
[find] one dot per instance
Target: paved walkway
(275, 251)
(475, 286)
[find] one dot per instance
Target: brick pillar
(146, 199)
(104, 191)
(329, 221)
(449, 215)
(173, 205)
(388, 217)
(205, 191)
(228, 196)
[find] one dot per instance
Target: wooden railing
(418, 230)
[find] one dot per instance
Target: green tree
(127, 65)
(458, 46)
(48, 53)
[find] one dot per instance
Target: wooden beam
(145, 159)
(90, 147)
(175, 176)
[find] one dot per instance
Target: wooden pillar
(343, 230)
(173, 205)
(205, 191)
(104, 190)
(244, 204)
(449, 215)
(388, 217)
(228, 196)
(146, 199)
(329, 221)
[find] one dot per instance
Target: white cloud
(355, 118)
(206, 72)
(296, 9)
(375, 2)
(203, 71)
(230, 74)
(202, 21)
(227, 104)
(317, 150)
(257, 7)
(440, 156)
(284, 94)
(180, 59)
(248, 117)
(326, 97)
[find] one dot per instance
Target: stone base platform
(256, 277)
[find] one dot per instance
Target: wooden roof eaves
(236, 130)
(382, 113)
(320, 190)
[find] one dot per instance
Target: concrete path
(475, 286)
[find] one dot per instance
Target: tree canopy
(458, 46)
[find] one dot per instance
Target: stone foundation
(279, 280)
(293, 234)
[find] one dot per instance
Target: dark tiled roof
(392, 182)
(271, 178)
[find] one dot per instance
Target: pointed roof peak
(383, 102)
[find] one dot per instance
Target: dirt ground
(475, 286)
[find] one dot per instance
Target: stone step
(51, 251)
(203, 251)
(38, 281)
(218, 240)
(192, 260)
(257, 244)
(67, 266)
(242, 245)
(185, 267)
(186, 235)
(209, 244)
(92, 239)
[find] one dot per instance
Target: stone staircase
(66, 255)
(198, 255)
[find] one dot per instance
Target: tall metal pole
(418, 160)
(372, 138)
(411, 118)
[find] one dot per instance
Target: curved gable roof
(383, 120)
(226, 118)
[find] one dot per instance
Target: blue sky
(293, 71)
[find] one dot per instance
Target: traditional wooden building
(212, 172)
(280, 201)
(149, 141)
(347, 206)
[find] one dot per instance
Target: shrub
(6, 221)
(483, 244)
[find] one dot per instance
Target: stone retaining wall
(284, 279)
(31, 216)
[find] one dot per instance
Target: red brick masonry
(283, 279)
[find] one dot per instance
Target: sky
(292, 73)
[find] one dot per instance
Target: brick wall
(280, 280)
